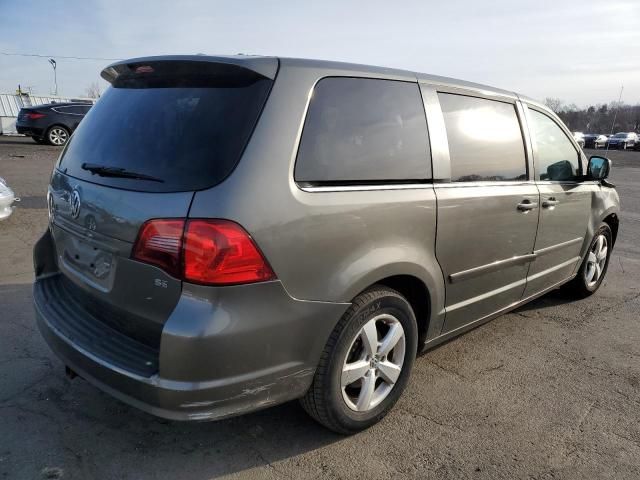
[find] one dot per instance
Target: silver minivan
(231, 233)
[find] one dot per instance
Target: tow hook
(69, 372)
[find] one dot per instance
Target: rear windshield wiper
(105, 171)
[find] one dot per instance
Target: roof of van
(268, 65)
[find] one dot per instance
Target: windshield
(620, 135)
(186, 131)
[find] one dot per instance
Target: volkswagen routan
(230, 233)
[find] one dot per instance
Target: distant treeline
(599, 118)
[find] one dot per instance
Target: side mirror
(599, 168)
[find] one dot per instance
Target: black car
(52, 123)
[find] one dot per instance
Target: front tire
(57, 136)
(594, 266)
(366, 363)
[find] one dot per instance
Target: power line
(55, 56)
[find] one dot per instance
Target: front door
(565, 203)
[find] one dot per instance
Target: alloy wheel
(58, 136)
(374, 363)
(596, 260)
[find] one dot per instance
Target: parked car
(579, 138)
(623, 140)
(7, 199)
(52, 123)
(307, 239)
(595, 140)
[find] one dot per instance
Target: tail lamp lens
(221, 252)
(160, 243)
(35, 115)
(210, 252)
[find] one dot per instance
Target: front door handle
(550, 202)
(526, 205)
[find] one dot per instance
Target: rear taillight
(222, 252)
(210, 252)
(35, 115)
(160, 243)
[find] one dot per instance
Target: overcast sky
(578, 50)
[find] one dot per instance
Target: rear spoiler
(263, 66)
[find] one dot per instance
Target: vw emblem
(75, 204)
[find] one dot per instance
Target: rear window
(361, 130)
(184, 125)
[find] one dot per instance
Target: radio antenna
(615, 114)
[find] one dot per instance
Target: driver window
(556, 158)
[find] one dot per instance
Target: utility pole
(55, 77)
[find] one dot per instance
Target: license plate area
(86, 259)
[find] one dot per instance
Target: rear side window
(361, 130)
(73, 109)
(184, 124)
(485, 139)
(555, 156)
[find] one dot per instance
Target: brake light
(160, 243)
(35, 115)
(221, 252)
(210, 252)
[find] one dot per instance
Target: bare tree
(600, 118)
(554, 104)
(93, 90)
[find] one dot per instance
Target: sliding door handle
(550, 203)
(526, 205)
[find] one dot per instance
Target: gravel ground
(551, 390)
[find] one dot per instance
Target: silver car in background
(7, 200)
(254, 230)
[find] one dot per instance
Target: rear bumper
(227, 371)
(223, 351)
(30, 131)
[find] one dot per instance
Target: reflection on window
(555, 156)
(485, 141)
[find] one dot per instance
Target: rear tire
(57, 136)
(354, 388)
(594, 266)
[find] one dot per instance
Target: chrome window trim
(469, 91)
(366, 188)
(485, 183)
(55, 109)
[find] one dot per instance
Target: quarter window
(485, 139)
(362, 130)
(555, 156)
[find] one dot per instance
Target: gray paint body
(228, 350)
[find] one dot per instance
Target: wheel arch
(417, 294)
(614, 222)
